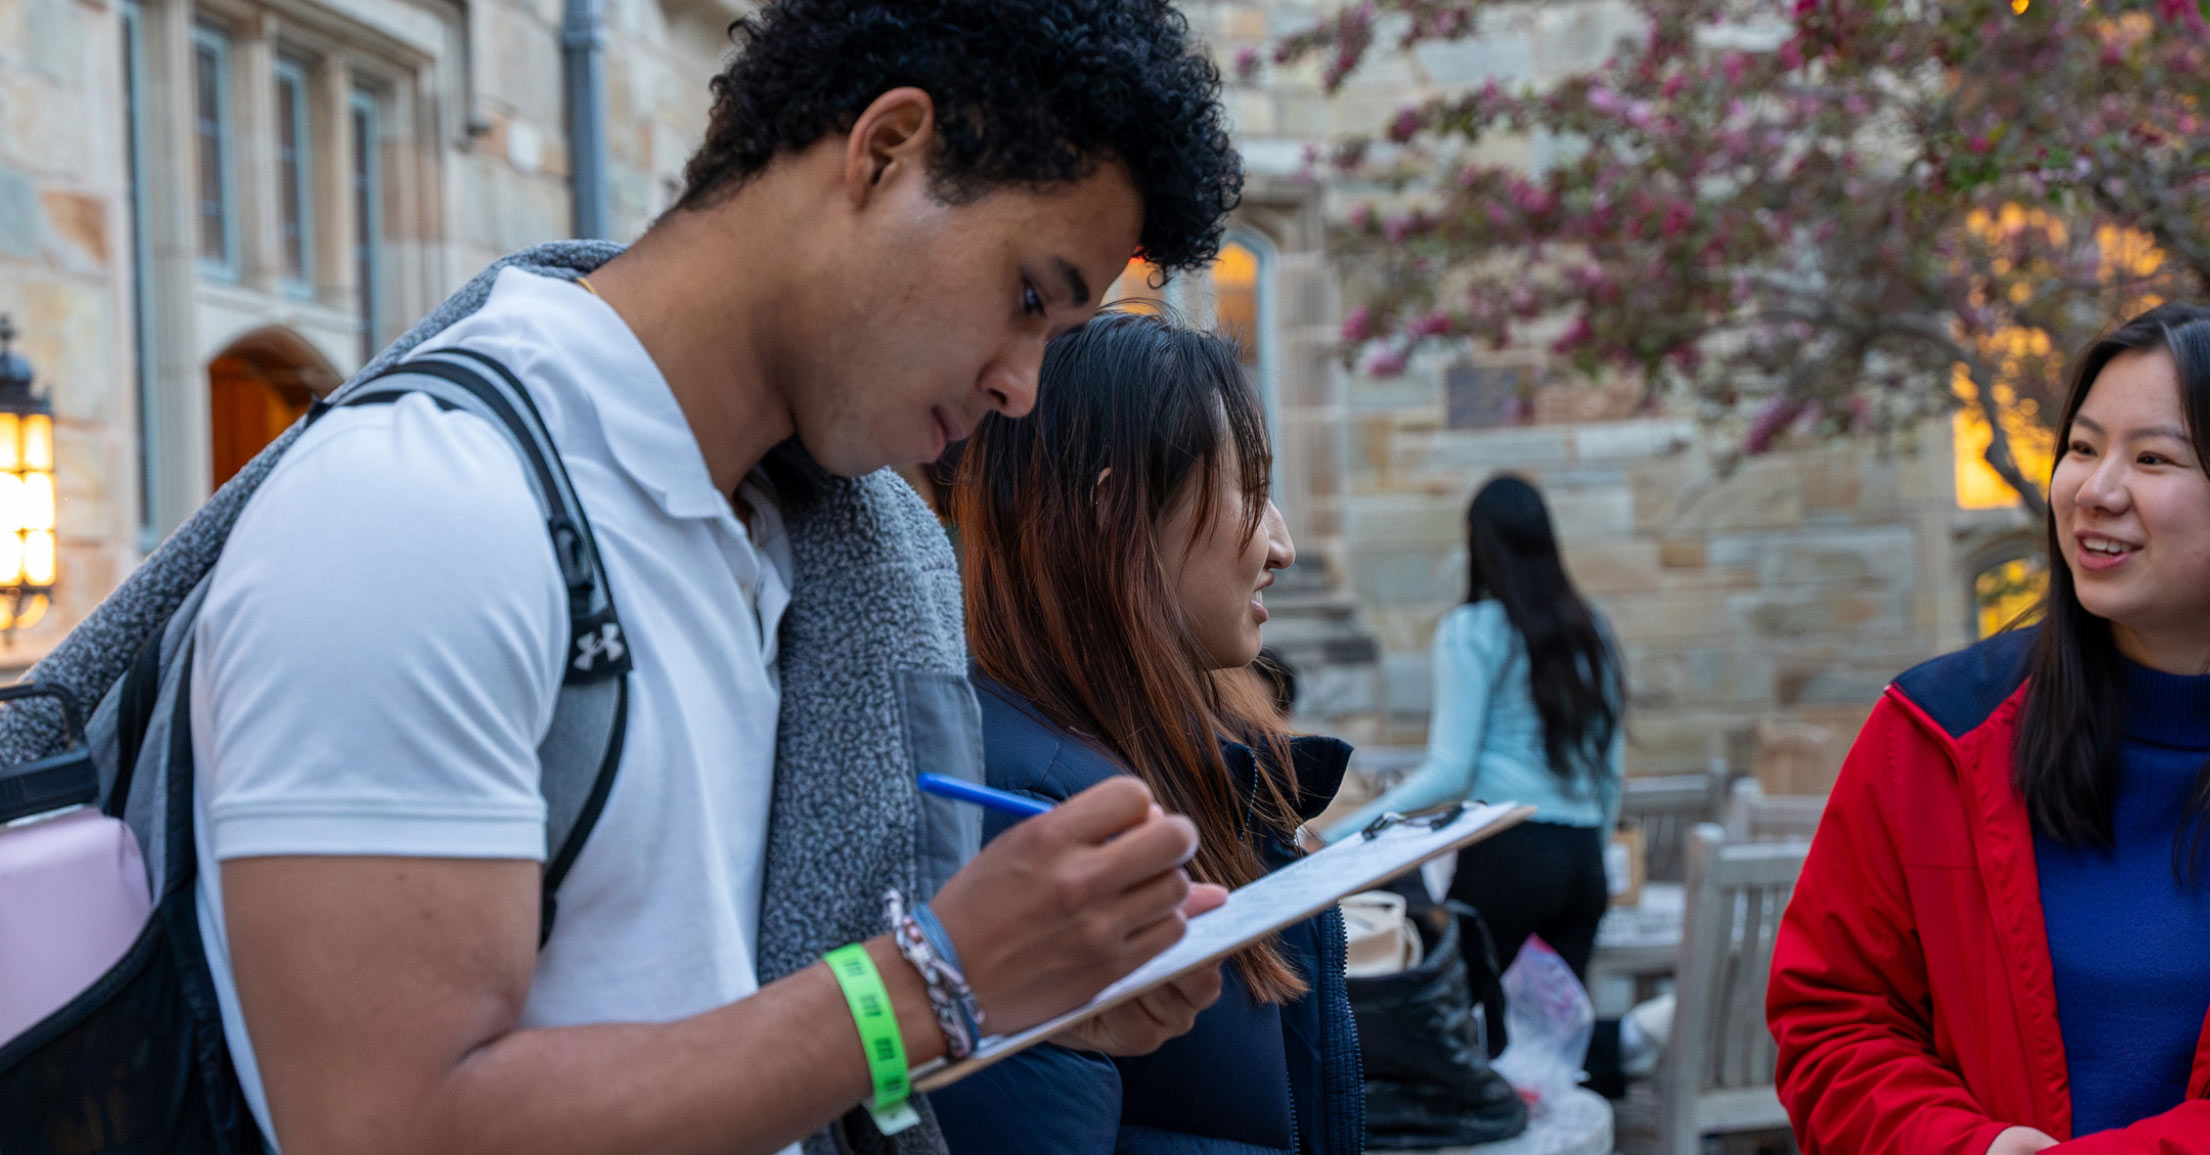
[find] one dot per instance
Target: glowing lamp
(26, 491)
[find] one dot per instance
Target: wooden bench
(1718, 1076)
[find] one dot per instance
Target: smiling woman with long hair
(2002, 936)
(1117, 545)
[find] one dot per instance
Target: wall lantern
(26, 491)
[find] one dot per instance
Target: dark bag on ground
(1428, 1082)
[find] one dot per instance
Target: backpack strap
(581, 750)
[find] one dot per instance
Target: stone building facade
(212, 209)
(1762, 604)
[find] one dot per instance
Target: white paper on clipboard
(1295, 892)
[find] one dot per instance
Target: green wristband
(879, 1037)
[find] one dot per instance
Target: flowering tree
(1813, 218)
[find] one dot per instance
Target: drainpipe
(583, 50)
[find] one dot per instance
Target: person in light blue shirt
(1528, 703)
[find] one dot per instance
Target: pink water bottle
(73, 887)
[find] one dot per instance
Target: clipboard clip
(1427, 819)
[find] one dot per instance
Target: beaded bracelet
(923, 942)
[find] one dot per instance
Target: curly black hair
(1030, 93)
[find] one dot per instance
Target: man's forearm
(752, 1076)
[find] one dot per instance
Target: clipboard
(1393, 845)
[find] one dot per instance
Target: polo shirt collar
(637, 412)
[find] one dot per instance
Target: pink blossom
(1405, 125)
(1979, 144)
(1386, 363)
(1577, 334)
(1361, 217)
(1396, 228)
(1674, 84)
(1529, 198)
(1604, 99)
(1432, 324)
(1776, 416)
(1246, 63)
(1678, 215)
(1734, 65)
(1359, 326)
(1790, 55)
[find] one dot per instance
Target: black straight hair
(1512, 556)
(2065, 764)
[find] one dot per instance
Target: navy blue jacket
(1248, 1078)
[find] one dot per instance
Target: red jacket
(1912, 995)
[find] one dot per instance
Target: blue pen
(961, 790)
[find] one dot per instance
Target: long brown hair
(1068, 600)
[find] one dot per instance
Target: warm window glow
(2032, 445)
(2005, 593)
(1235, 298)
(2125, 259)
(1136, 289)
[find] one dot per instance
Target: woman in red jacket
(2001, 938)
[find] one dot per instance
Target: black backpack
(137, 1062)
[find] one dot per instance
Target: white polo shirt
(381, 647)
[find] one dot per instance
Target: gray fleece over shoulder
(873, 672)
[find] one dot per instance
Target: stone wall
(63, 245)
(1762, 607)
(473, 162)
(1762, 604)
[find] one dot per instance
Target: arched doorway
(256, 388)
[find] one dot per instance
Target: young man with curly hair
(897, 204)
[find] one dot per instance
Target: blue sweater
(1484, 738)
(2130, 945)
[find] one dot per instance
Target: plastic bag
(1548, 1020)
(1428, 1082)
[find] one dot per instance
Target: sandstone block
(1405, 576)
(1611, 440)
(1609, 567)
(79, 226)
(1879, 555)
(22, 224)
(1387, 520)
(1581, 515)
(1681, 552)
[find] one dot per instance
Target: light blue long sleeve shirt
(1484, 738)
